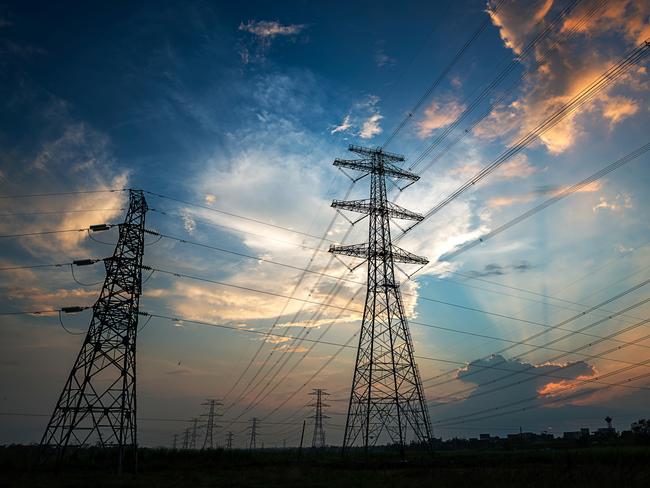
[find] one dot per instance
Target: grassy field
(589, 467)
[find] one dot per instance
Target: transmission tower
(318, 439)
(174, 442)
(208, 441)
(186, 438)
(387, 395)
(229, 440)
(98, 402)
(195, 422)
(253, 441)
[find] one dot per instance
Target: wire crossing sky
(526, 122)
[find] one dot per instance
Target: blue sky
(243, 108)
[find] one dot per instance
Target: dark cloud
(494, 269)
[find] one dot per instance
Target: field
(592, 467)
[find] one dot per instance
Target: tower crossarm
(366, 206)
(399, 255)
(372, 166)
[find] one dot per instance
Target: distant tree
(641, 427)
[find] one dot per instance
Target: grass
(589, 467)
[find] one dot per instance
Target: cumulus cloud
(558, 69)
(371, 127)
(437, 115)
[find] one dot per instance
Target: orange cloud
(438, 115)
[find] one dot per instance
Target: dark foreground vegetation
(620, 466)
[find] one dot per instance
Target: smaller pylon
(253, 440)
(195, 422)
(174, 442)
(208, 441)
(318, 438)
(229, 440)
(186, 438)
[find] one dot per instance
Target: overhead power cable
(632, 58)
(58, 212)
(556, 198)
(57, 194)
(230, 214)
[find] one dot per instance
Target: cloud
(494, 269)
(344, 126)
(381, 58)
(371, 127)
(438, 115)
(559, 68)
(269, 29)
(263, 32)
(620, 202)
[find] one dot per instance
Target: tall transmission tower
(208, 441)
(387, 395)
(318, 439)
(229, 440)
(253, 440)
(98, 402)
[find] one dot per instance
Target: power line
(571, 106)
(58, 212)
(56, 194)
(559, 196)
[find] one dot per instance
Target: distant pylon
(387, 395)
(186, 438)
(174, 442)
(98, 403)
(195, 422)
(253, 440)
(229, 440)
(318, 439)
(208, 441)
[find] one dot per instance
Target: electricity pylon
(195, 422)
(174, 442)
(98, 402)
(208, 441)
(186, 438)
(387, 395)
(229, 440)
(318, 439)
(253, 440)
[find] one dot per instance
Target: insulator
(83, 262)
(99, 227)
(72, 309)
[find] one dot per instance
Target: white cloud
(371, 127)
(344, 126)
(270, 28)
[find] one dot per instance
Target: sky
(242, 107)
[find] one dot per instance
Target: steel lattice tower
(229, 440)
(318, 438)
(387, 396)
(253, 440)
(208, 441)
(98, 402)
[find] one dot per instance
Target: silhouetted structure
(186, 438)
(387, 395)
(208, 441)
(174, 442)
(253, 440)
(98, 402)
(195, 423)
(229, 438)
(318, 438)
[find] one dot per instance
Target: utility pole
(195, 421)
(386, 396)
(98, 402)
(208, 441)
(318, 439)
(174, 442)
(253, 441)
(302, 438)
(229, 440)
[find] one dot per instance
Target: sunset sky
(242, 107)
